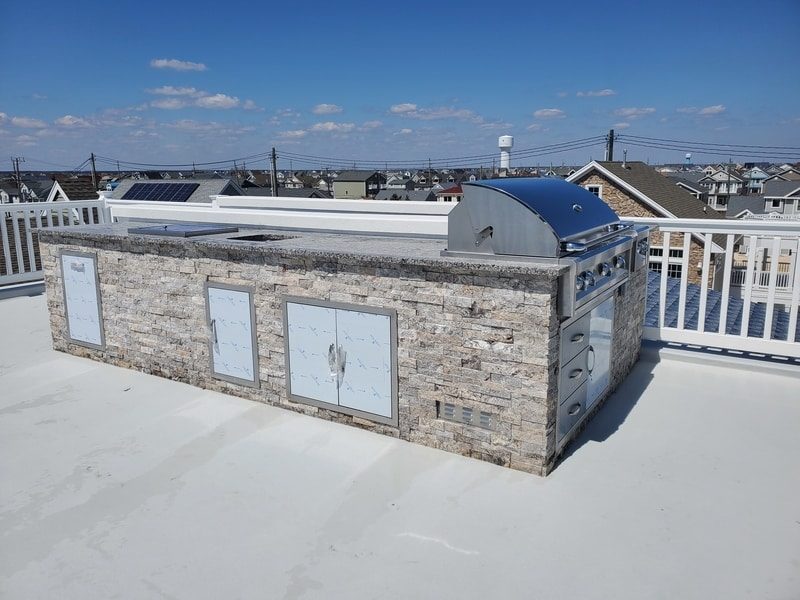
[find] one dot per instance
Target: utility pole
(274, 158)
(117, 168)
(94, 173)
(17, 175)
(610, 145)
(430, 175)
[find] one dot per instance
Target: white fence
(733, 314)
(19, 231)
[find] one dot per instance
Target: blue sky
(175, 82)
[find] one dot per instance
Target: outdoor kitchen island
(468, 355)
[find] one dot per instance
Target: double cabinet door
(341, 357)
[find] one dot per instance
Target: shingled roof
(649, 184)
(77, 188)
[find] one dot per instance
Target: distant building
(634, 189)
(358, 184)
(407, 195)
(453, 193)
(72, 189)
(721, 185)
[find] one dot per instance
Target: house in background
(72, 189)
(453, 193)
(407, 195)
(358, 184)
(782, 198)
(721, 185)
(754, 178)
(634, 189)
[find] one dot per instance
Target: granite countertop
(384, 249)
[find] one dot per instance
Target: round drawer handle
(574, 410)
(576, 373)
(578, 337)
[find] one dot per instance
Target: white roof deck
(116, 484)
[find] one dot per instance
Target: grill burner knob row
(619, 262)
(580, 283)
(604, 269)
(588, 276)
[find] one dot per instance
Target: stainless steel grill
(555, 222)
(551, 221)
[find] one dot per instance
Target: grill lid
(526, 216)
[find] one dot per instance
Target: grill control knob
(580, 283)
(604, 269)
(589, 277)
(619, 262)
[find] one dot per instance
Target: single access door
(82, 299)
(311, 352)
(232, 339)
(601, 331)
(364, 343)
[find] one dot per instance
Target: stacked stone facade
(477, 337)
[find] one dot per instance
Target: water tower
(506, 142)
(688, 164)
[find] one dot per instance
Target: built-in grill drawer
(574, 338)
(574, 374)
(570, 412)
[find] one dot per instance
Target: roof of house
(692, 185)
(410, 195)
(205, 188)
(738, 204)
(780, 188)
(453, 189)
(356, 175)
(303, 192)
(78, 188)
(692, 177)
(662, 191)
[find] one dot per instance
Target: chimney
(624, 158)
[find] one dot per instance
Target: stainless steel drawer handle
(578, 337)
(574, 409)
(576, 373)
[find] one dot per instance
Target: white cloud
(292, 135)
(3, 117)
(412, 111)
(217, 101)
(603, 92)
(327, 109)
(404, 131)
(170, 90)
(251, 105)
(72, 121)
(549, 113)
(38, 96)
(178, 65)
(168, 103)
(712, 110)
(687, 109)
(633, 112)
(372, 125)
(331, 127)
(28, 122)
(25, 140)
(623, 125)
(400, 109)
(534, 127)
(562, 94)
(496, 125)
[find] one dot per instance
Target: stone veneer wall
(626, 206)
(466, 336)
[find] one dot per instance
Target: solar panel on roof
(161, 192)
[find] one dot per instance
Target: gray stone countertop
(350, 247)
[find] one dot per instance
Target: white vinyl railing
(753, 311)
(19, 233)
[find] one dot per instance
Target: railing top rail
(781, 228)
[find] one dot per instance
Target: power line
(714, 144)
(779, 156)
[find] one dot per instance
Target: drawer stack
(573, 376)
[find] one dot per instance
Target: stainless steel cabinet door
(601, 331)
(82, 299)
(365, 355)
(233, 342)
(312, 352)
